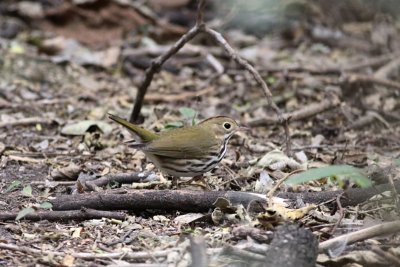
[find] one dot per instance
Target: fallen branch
(27, 159)
(93, 182)
(90, 256)
(198, 201)
(351, 196)
(245, 231)
(356, 78)
(26, 122)
(387, 70)
(388, 256)
(243, 255)
(178, 97)
(306, 112)
(376, 230)
(189, 50)
(137, 200)
(362, 121)
(83, 214)
(367, 119)
(336, 70)
(121, 255)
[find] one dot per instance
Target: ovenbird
(185, 152)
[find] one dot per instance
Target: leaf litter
(78, 90)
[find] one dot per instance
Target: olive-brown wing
(193, 142)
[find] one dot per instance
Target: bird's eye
(227, 125)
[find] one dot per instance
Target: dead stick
(25, 122)
(90, 256)
(122, 178)
(376, 230)
(196, 201)
(178, 97)
(138, 200)
(242, 62)
(257, 77)
(306, 112)
(83, 214)
(246, 255)
(351, 197)
(387, 70)
(341, 212)
(388, 256)
(354, 78)
(395, 193)
(156, 64)
(337, 70)
(271, 192)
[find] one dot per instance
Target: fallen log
(202, 201)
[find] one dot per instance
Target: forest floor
(43, 150)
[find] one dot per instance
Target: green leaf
(46, 205)
(27, 191)
(24, 212)
(340, 171)
(13, 186)
(272, 80)
(173, 125)
(187, 113)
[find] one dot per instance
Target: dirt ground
(45, 88)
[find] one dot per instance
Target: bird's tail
(140, 134)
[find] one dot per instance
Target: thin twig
(89, 256)
(26, 159)
(376, 230)
(242, 62)
(93, 182)
(230, 250)
(388, 256)
(83, 214)
(394, 193)
(336, 70)
(257, 77)
(178, 97)
(26, 122)
(306, 112)
(385, 71)
(158, 62)
(354, 78)
(341, 212)
(278, 184)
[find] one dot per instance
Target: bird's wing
(183, 143)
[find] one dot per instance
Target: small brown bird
(185, 152)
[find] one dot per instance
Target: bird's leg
(198, 178)
(175, 182)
